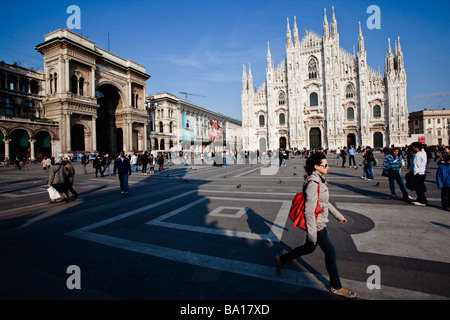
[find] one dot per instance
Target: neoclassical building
(24, 129)
(96, 97)
(322, 96)
(176, 124)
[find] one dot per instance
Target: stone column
(94, 134)
(67, 77)
(32, 141)
(93, 82)
(7, 141)
(68, 133)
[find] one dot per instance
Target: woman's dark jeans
(325, 243)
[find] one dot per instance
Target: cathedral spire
(325, 24)
(333, 25)
(288, 35)
(296, 41)
(244, 78)
(269, 56)
(388, 67)
(250, 78)
(360, 40)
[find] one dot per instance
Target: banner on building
(189, 127)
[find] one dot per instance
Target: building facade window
(350, 114)
(282, 119)
(377, 111)
(282, 98)
(262, 121)
(313, 69)
(313, 99)
(350, 91)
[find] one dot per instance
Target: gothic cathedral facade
(321, 96)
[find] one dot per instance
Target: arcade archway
(109, 137)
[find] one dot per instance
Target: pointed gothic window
(313, 69)
(350, 91)
(282, 98)
(313, 99)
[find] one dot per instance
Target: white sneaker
(416, 203)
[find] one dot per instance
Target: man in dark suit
(123, 167)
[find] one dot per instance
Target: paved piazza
(203, 232)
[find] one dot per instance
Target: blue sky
(199, 46)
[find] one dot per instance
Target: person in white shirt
(133, 162)
(419, 168)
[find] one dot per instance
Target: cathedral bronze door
(351, 140)
(283, 143)
(315, 139)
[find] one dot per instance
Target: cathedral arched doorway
(351, 139)
(282, 142)
(315, 139)
(77, 138)
(378, 140)
(19, 147)
(43, 145)
(109, 136)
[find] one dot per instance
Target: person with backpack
(317, 234)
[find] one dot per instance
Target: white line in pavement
(275, 233)
(291, 277)
(297, 278)
(133, 212)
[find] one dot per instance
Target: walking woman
(317, 234)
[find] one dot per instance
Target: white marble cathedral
(321, 96)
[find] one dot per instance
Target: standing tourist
(123, 167)
(344, 156)
(316, 167)
(84, 162)
(351, 157)
(419, 168)
(144, 160)
(369, 160)
(133, 162)
(394, 162)
(443, 182)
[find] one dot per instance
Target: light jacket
(311, 195)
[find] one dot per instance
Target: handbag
(409, 177)
(297, 210)
(53, 193)
(387, 173)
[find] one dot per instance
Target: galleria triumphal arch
(97, 98)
